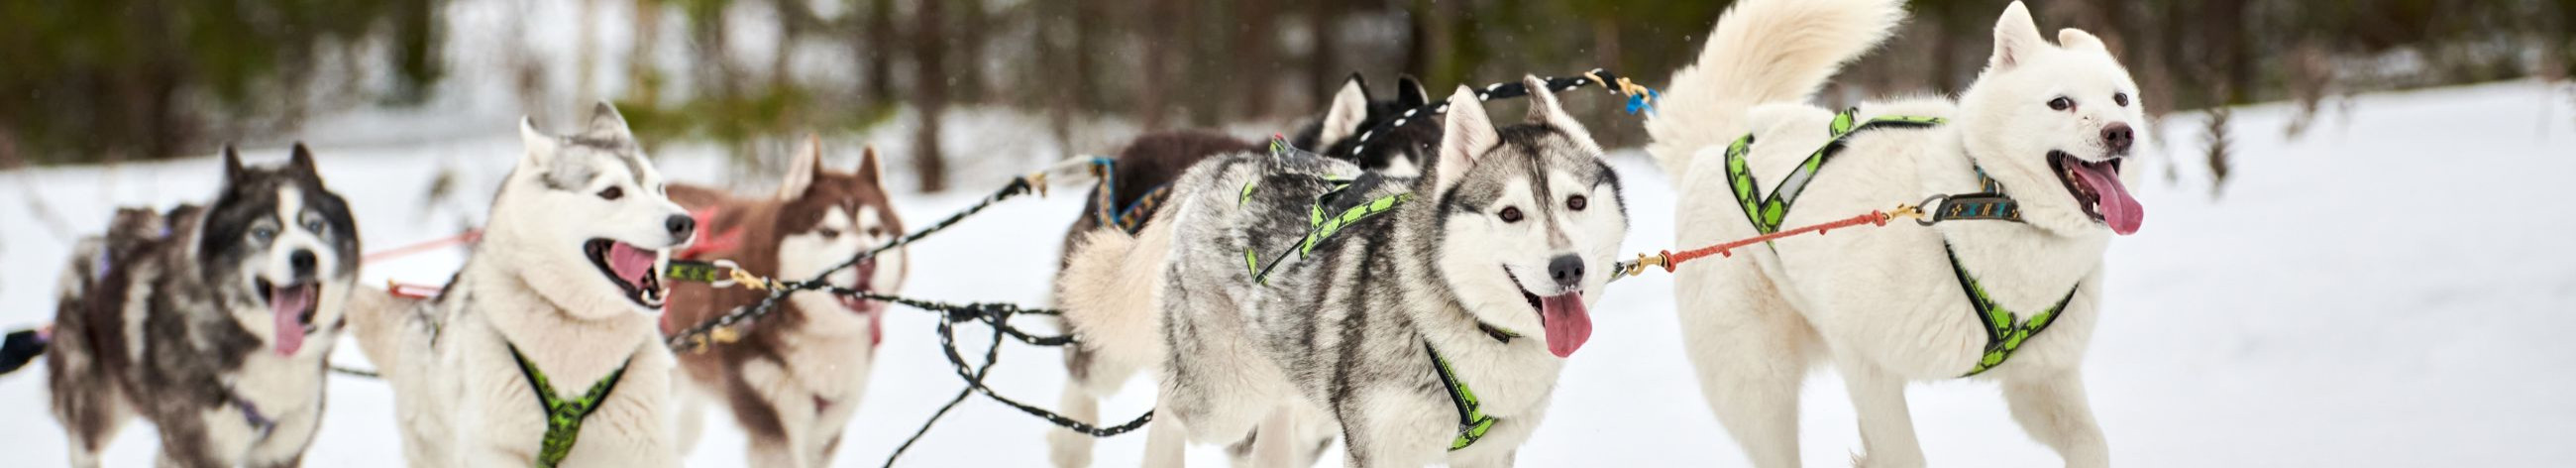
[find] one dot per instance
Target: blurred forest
(113, 80)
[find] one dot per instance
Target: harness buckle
(1917, 211)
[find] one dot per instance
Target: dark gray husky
(213, 322)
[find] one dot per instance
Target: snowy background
(2391, 289)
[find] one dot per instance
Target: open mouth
(635, 270)
(2096, 188)
(1568, 325)
(292, 308)
(866, 270)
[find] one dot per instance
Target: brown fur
(755, 226)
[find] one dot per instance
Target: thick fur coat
(1884, 305)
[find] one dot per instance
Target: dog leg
(1749, 349)
(1275, 443)
(2052, 408)
(773, 452)
(1069, 449)
(1165, 440)
(689, 419)
(1886, 426)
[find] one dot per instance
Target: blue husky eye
(263, 233)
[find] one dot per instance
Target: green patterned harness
(563, 417)
(2005, 332)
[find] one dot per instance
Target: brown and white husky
(795, 376)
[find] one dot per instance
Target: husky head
(827, 218)
(279, 250)
(1527, 213)
(585, 220)
(1354, 113)
(2044, 118)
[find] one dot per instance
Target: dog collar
(259, 422)
(563, 417)
(1472, 421)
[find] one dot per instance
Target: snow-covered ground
(2388, 291)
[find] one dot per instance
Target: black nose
(680, 226)
(2118, 136)
(1567, 270)
(303, 262)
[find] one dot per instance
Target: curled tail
(1111, 292)
(1763, 51)
(377, 320)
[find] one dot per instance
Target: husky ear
(1409, 94)
(302, 162)
(870, 170)
(606, 122)
(1545, 110)
(232, 164)
(536, 147)
(2016, 38)
(1467, 135)
(1349, 109)
(808, 161)
(2072, 38)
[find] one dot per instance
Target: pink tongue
(2118, 209)
(630, 263)
(287, 305)
(1568, 326)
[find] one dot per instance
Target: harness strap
(1319, 228)
(2004, 332)
(258, 421)
(564, 417)
(1472, 422)
(1767, 212)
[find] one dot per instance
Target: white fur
(460, 398)
(1882, 303)
(1350, 106)
(1783, 58)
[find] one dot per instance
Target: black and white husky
(1425, 318)
(2045, 126)
(544, 349)
(1153, 161)
(213, 322)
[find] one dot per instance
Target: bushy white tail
(1111, 292)
(1763, 51)
(376, 321)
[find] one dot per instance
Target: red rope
(1874, 218)
(470, 235)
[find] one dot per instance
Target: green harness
(1472, 421)
(2005, 332)
(563, 417)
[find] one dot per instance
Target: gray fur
(150, 325)
(1346, 328)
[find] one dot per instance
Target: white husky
(544, 349)
(2048, 123)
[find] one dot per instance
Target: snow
(2387, 291)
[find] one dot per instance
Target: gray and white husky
(2049, 124)
(213, 322)
(1374, 316)
(543, 350)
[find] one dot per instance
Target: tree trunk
(929, 94)
(877, 46)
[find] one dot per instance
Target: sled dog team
(1411, 292)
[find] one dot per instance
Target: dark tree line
(141, 69)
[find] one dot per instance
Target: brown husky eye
(873, 232)
(828, 233)
(1577, 203)
(1511, 214)
(2120, 98)
(2061, 103)
(612, 193)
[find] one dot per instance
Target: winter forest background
(124, 80)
